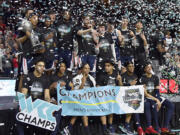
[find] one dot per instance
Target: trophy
(25, 25)
(34, 38)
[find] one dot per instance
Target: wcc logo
(133, 98)
(38, 113)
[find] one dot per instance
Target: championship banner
(100, 101)
(38, 113)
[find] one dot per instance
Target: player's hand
(62, 84)
(71, 84)
(158, 105)
(53, 85)
(28, 34)
(133, 82)
(119, 78)
(49, 36)
(84, 78)
(131, 33)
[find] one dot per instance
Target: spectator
(15, 48)
(2, 52)
(7, 63)
(2, 26)
(15, 65)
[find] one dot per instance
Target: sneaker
(126, 130)
(167, 131)
(151, 130)
(66, 131)
(158, 130)
(140, 131)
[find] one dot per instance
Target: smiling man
(36, 85)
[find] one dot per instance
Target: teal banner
(99, 101)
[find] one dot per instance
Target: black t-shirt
(65, 33)
(127, 49)
(150, 83)
(105, 79)
(139, 44)
(154, 53)
(79, 40)
(49, 44)
(115, 39)
(26, 46)
(36, 85)
(65, 78)
(87, 44)
(105, 50)
(127, 79)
